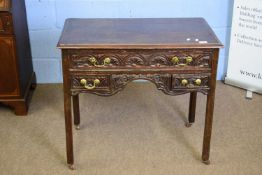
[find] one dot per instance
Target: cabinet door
(9, 85)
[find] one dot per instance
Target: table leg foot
(188, 125)
(77, 127)
(207, 162)
(71, 166)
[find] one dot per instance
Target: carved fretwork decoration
(159, 60)
(138, 58)
(162, 82)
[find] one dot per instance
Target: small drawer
(190, 81)
(5, 23)
(190, 60)
(90, 82)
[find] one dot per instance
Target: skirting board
(243, 85)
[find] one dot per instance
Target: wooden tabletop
(138, 33)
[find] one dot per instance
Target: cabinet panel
(4, 5)
(5, 23)
(8, 68)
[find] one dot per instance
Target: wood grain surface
(138, 33)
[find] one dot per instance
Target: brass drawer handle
(176, 60)
(198, 82)
(90, 86)
(184, 82)
(106, 61)
(189, 60)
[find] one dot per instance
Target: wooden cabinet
(16, 71)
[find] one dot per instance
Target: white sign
(245, 54)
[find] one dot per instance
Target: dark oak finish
(210, 110)
(76, 111)
(137, 34)
(16, 71)
(101, 56)
(68, 112)
(192, 108)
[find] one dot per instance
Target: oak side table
(100, 56)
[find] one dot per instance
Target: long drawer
(185, 59)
